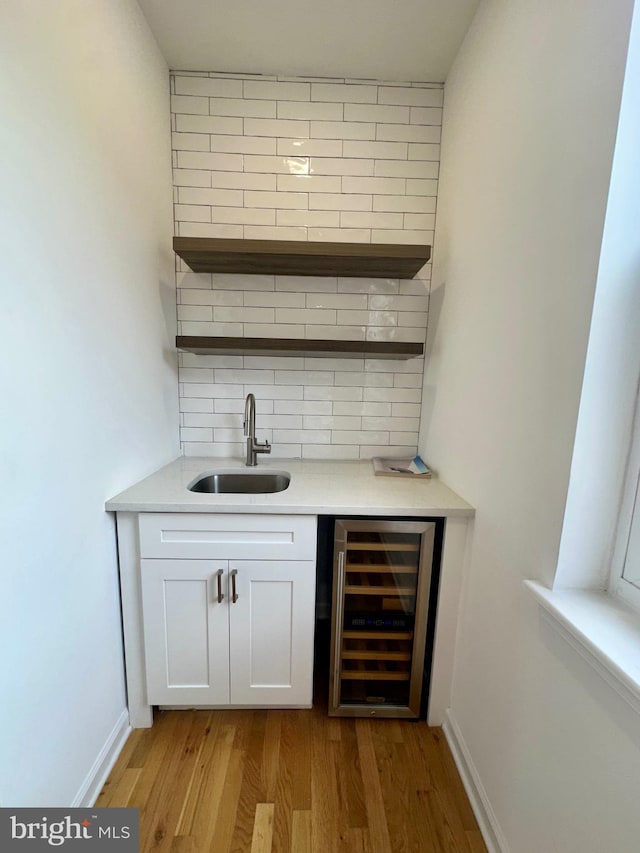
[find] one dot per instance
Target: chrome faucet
(253, 447)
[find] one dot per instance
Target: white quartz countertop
(317, 487)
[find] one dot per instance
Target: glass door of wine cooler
(382, 577)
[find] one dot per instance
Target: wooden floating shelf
(297, 257)
(298, 347)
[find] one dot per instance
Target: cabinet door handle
(219, 574)
(338, 627)
(234, 594)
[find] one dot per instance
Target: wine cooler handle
(234, 594)
(219, 574)
(338, 629)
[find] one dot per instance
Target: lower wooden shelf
(298, 347)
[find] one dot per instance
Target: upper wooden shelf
(298, 347)
(293, 257)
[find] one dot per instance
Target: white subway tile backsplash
(302, 110)
(307, 283)
(405, 204)
(397, 451)
(211, 297)
(359, 437)
(338, 201)
(196, 374)
(244, 376)
(406, 168)
(273, 330)
(271, 299)
(209, 87)
(410, 133)
(277, 91)
(392, 395)
(193, 280)
(303, 377)
(308, 183)
(213, 162)
(375, 150)
(242, 107)
(279, 158)
(203, 229)
(276, 127)
(355, 219)
(302, 407)
(227, 281)
(243, 180)
(209, 124)
(243, 215)
(376, 113)
(412, 97)
(189, 142)
(277, 165)
(243, 144)
(392, 423)
(340, 235)
(195, 312)
(344, 93)
(361, 408)
(423, 221)
(191, 404)
(340, 166)
(415, 186)
(199, 195)
(225, 314)
(276, 232)
(309, 218)
(377, 186)
(297, 200)
(343, 301)
(191, 178)
(426, 115)
(190, 106)
(330, 451)
(306, 316)
(195, 434)
(332, 392)
(342, 130)
(423, 151)
(336, 333)
(303, 436)
(416, 238)
(192, 213)
(309, 147)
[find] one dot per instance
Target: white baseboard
(487, 821)
(97, 776)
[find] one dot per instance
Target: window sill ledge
(604, 631)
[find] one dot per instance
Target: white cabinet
(222, 630)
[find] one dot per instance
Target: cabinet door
(271, 629)
(186, 632)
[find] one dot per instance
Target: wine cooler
(382, 578)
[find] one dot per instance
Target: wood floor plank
(262, 828)
(301, 832)
(292, 782)
(374, 801)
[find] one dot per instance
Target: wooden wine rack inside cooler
(381, 583)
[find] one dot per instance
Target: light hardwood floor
(292, 782)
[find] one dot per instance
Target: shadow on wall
(436, 301)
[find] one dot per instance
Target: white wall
(292, 159)
(531, 110)
(89, 394)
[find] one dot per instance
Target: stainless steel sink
(241, 483)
